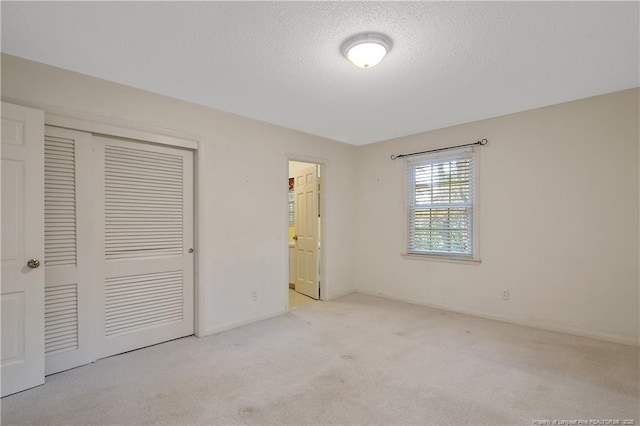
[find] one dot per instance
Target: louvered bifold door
(67, 250)
(146, 296)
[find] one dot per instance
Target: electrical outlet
(254, 294)
(505, 294)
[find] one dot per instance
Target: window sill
(441, 258)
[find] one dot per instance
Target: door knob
(295, 237)
(190, 250)
(33, 263)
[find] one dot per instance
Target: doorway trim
(144, 133)
(323, 164)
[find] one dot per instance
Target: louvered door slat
(60, 202)
(145, 312)
(140, 298)
(168, 300)
(147, 253)
(138, 301)
(131, 155)
(134, 236)
(61, 321)
(61, 318)
(143, 203)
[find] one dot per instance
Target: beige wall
(559, 200)
(245, 165)
(558, 220)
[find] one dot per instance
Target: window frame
(408, 181)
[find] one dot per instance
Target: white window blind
(440, 204)
(292, 209)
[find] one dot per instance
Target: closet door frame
(149, 134)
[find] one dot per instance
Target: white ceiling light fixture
(367, 49)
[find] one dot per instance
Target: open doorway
(305, 233)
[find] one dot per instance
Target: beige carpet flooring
(356, 360)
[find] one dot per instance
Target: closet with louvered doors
(119, 272)
(69, 250)
(146, 294)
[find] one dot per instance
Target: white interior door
(146, 296)
(68, 250)
(306, 239)
(22, 294)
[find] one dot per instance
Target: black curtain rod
(481, 142)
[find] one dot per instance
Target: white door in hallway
(22, 294)
(306, 239)
(146, 295)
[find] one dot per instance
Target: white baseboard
(234, 324)
(343, 293)
(535, 324)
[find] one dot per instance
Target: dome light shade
(366, 50)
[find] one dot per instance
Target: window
(292, 197)
(440, 202)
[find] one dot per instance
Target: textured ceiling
(451, 63)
